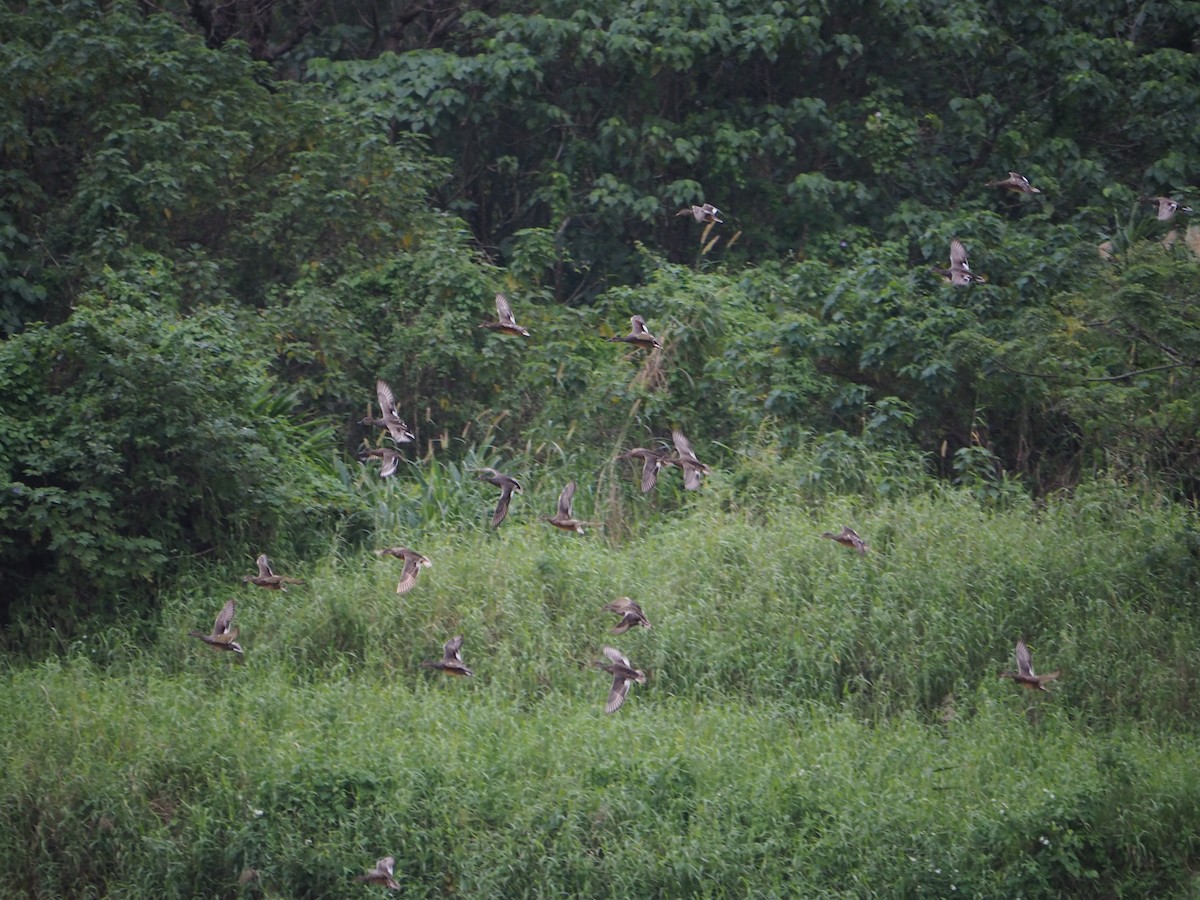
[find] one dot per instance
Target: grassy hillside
(814, 722)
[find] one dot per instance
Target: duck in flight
(451, 662)
(623, 673)
(848, 537)
(506, 323)
(223, 635)
(508, 486)
(414, 562)
(266, 577)
(1025, 676)
(638, 335)
(706, 213)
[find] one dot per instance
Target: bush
(132, 441)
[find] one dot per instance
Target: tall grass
(814, 722)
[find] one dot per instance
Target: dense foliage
(223, 221)
(806, 120)
(163, 441)
(144, 165)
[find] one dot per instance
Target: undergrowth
(814, 722)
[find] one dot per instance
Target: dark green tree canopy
(800, 120)
(129, 144)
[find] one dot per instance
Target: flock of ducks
(684, 458)
(653, 460)
(223, 635)
(960, 274)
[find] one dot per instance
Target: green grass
(814, 723)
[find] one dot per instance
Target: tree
(128, 140)
(800, 122)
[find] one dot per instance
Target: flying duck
(414, 562)
(507, 324)
(222, 636)
(451, 662)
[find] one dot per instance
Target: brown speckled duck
(382, 874)
(563, 519)
(386, 455)
(959, 272)
(414, 562)
(1025, 676)
(451, 662)
(623, 673)
(508, 486)
(652, 462)
(847, 537)
(1016, 182)
(507, 323)
(706, 213)
(389, 416)
(266, 577)
(638, 336)
(630, 612)
(223, 636)
(693, 469)
(1167, 207)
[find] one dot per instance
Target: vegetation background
(222, 221)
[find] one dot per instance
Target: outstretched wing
(504, 311)
(616, 656)
(387, 400)
(620, 605)
(564, 500)
(617, 694)
(1024, 660)
(650, 473)
(390, 464)
(224, 619)
(408, 575)
(506, 492)
(391, 416)
(632, 617)
(450, 650)
(683, 445)
(851, 537)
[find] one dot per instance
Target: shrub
(132, 441)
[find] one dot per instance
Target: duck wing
(683, 446)
(224, 620)
(504, 311)
(506, 492)
(564, 500)
(1024, 660)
